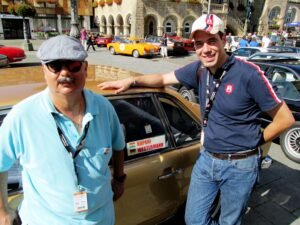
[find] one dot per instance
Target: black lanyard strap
(210, 97)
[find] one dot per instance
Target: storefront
(11, 27)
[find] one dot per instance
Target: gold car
(132, 46)
(162, 132)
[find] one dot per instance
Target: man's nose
(206, 47)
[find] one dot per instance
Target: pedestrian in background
(243, 42)
(64, 138)
(164, 45)
(90, 41)
(232, 94)
(83, 37)
(253, 42)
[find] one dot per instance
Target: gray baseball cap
(61, 47)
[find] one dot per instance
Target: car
(103, 40)
(272, 56)
(285, 49)
(289, 139)
(245, 52)
(188, 44)
(132, 46)
(175, 47)
(13, 54)
(162, 132)
(3, 61)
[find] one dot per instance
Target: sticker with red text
(146, 145)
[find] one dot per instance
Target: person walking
(90, 41)
(232, 94)
(164, 46)
(243, 42)
(83, 37)
(64, 138)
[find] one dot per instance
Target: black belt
(228, 156)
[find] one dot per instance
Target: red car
(188, 44)
(13, 54)
(103, 40)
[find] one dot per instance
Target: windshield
(289, 90)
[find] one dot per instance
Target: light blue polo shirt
(29, 133)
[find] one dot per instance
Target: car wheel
(112, 51)
(135, 54)
(290, 142)
(188, 94)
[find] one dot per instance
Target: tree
(25, 10)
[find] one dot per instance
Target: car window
(143, 129)
(183, 127)
(280, 74)
(288, 90)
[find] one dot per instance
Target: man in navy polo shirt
(232, 93)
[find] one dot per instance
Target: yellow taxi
(162, 134)
(132, 46)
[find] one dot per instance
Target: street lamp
(248, 15)
(74, 31)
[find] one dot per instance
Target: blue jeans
(234, 179)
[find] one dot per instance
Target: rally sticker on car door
(146, 145)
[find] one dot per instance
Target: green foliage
(22, 9)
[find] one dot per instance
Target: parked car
(13, 54)
(3, 61)
(162, 132)
(132, 46)
(175, 47)
(285, 49)
(188, 44)
(103, 40)
(245, 52)
(272, 56)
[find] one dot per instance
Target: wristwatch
(120, 179)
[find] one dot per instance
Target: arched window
(187, 27)
(151, 28)
(169, 27)
(274, 14)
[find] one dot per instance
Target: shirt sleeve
(263, 91)
(8, 143)
(118, 139)
(187, 75)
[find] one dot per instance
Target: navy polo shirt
(244, 92)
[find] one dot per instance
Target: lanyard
(72, 152)
(210, 97)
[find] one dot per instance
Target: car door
(158, 156)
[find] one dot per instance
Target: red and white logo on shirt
(229, 89)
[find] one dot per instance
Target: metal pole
(74, 31)
(247, 17)
(27, 45)
(208, 7)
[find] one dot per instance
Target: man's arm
(153, 80)
(282, 119)
(7, 215)
(118, 174)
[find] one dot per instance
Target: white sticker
(202, 138)
(80, 201)
(146, 145)
(122, 47)
(148, 129)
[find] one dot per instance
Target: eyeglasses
(57, 65)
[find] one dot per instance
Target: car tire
(188, 94)
(290, 142)
(112, 51)
(135, 54)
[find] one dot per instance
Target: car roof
(292, 64)
(279, 56)
(21, 82)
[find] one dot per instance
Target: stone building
(51, 14)
(143, 17)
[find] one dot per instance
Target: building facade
(52, 15)
(152, 17)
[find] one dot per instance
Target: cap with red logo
(209, 23)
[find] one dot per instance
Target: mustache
(65, 80)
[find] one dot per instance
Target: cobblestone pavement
(275, 201)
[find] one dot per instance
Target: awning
(293, 24)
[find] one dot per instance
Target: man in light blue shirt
(64, 138)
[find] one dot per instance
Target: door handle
(171, 174)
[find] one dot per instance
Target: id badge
(202, 138)
(80, 201)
